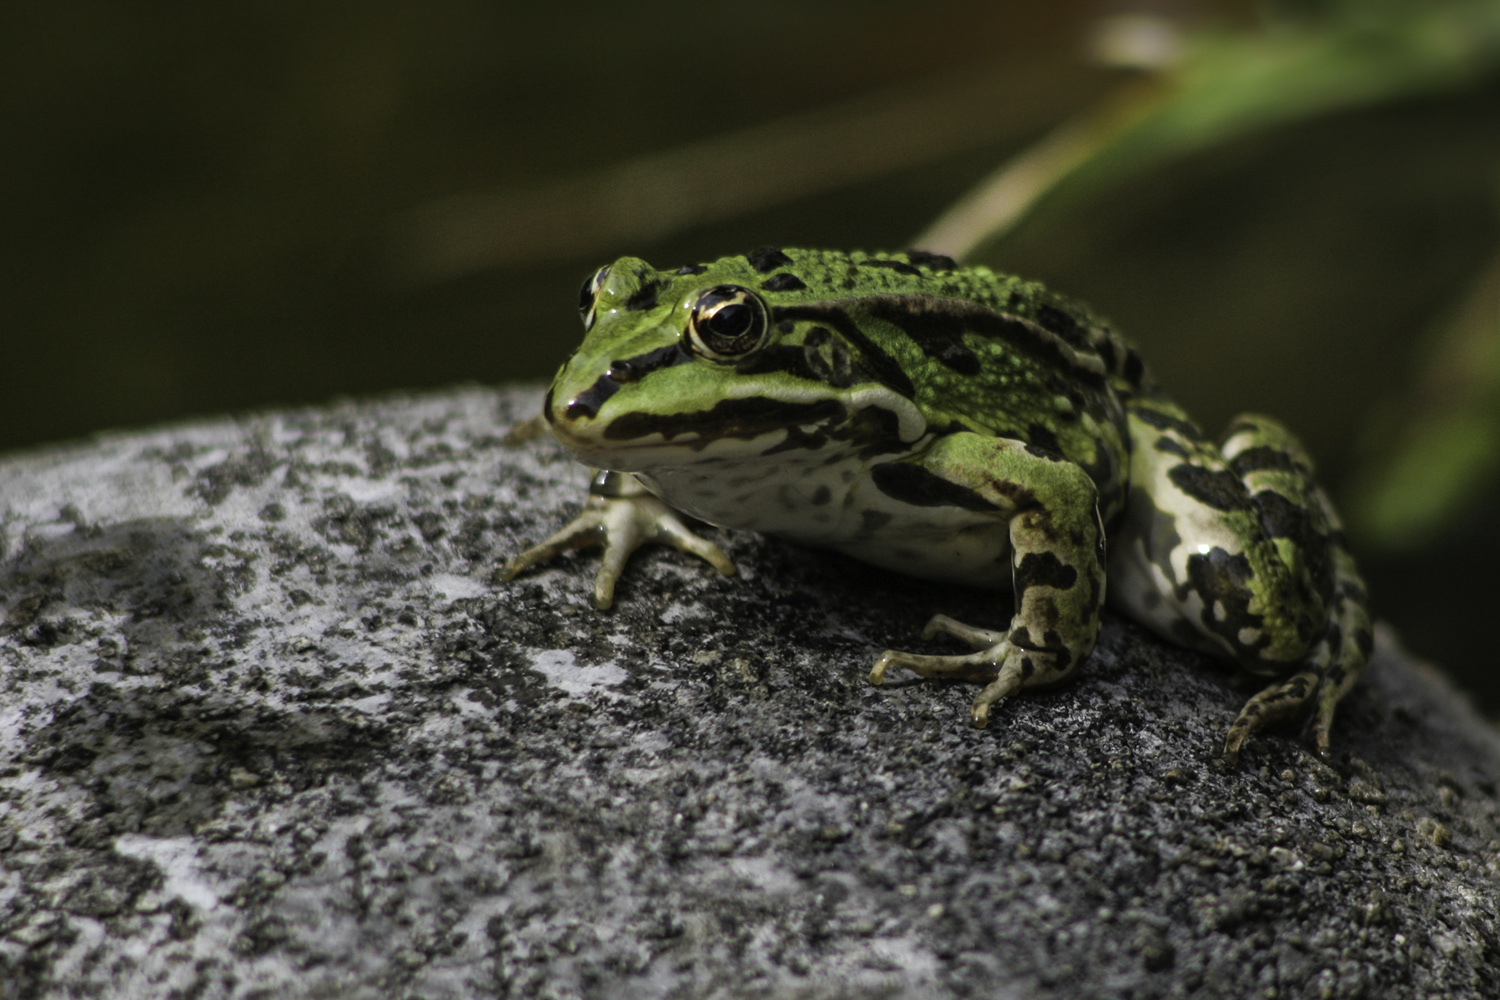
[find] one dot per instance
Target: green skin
(963, 425)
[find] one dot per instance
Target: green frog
(957, 424)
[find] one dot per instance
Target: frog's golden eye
(589, 293)
(727, 323)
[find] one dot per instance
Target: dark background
(208, 209)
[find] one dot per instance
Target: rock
(269, 727)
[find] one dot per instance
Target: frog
(958, 424)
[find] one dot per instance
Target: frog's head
(724, 360)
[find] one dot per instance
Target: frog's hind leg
(1350, 640)
(1340, 654)
(1282, 701)
(1235, 550)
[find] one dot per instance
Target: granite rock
(270, 727)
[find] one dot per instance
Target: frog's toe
(979, 667)
(610, 568)
(1281, 701)
(674, 533)
(584, 532)
(977, 638)
(1007, 683)
(1328, 701)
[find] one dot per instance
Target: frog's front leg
(620, 515)
(1057, 562)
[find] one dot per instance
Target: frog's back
(976, 350)
(1064, 332)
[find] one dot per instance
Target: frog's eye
(727, 323)
(589, 293)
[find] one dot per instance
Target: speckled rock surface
(268, 727)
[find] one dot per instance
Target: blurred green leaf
(1435, 453)
(1223, 85)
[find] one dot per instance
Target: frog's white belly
(830, 501)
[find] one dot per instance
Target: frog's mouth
(873, 420)
(751, 422)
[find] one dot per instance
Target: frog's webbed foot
(620, 521)
(1328, 672)
(1283, 700)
